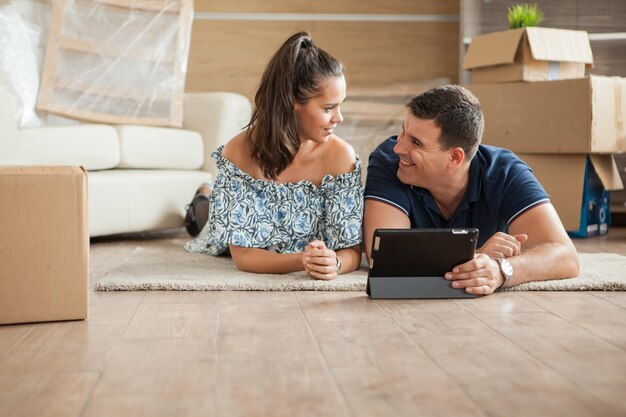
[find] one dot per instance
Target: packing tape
(554, 70)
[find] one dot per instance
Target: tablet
(411, 263)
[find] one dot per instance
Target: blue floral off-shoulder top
(282, 218)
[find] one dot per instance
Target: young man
(435, 174)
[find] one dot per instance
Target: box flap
(559, 45)
(493, 49)
(607, 171)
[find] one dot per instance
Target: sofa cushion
(134, 200)
(92, 146)
(148, 147)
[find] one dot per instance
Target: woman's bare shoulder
(236, 150)
(340, 157)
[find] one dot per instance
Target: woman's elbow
(241, 261)
(355, 263)
(359, 256)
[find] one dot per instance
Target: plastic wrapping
(117, 61)
(19, 73)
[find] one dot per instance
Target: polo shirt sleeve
(382, 183)
(522, 191)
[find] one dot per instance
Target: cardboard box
(44, 244)
(578, 186)
(528, 54)
(570, 116)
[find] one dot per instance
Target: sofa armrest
(9, 134)
(218, 117)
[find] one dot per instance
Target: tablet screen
(420, 252)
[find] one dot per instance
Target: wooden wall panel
(330, 6)
(231, 55)
(609, 57)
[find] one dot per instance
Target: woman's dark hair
(294, 75)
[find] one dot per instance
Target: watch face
(506, 267)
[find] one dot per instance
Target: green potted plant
(524, 15)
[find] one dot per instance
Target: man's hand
(319, 261)
(479, 276)
(503, 245)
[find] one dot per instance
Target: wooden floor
(320, 354)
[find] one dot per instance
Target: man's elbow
(571, 265)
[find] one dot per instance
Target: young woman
(288, 193)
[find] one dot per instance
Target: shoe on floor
(197, 213)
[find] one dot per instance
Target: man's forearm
(550, 260)
(378, 215)
(548, 253)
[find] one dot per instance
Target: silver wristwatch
(506, 268)
(338, 265)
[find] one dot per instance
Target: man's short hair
(456, 111)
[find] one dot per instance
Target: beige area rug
(169, 267)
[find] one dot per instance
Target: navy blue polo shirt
(501, 187)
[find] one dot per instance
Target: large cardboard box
(578, 186)
(44, 244)
(570, 116)
(528, 54)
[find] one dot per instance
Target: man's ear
(457, 157)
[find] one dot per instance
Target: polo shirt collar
(474, 183)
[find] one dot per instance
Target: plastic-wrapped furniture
(139, 177)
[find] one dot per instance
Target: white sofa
(139, 178)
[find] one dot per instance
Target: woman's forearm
(263, 261)
(350, 258)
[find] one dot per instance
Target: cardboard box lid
(563, 176)
(545, 44)
(493, 49)
(606, 168)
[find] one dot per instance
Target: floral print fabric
(282, 218)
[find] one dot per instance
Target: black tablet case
(411, 263)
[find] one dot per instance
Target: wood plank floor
(320, 354)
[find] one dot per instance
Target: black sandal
(197, 214)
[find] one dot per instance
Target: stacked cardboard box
(538, 103)
(44, 244)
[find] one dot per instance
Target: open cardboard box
(578, 186)
(528, 54)
(44, 244)
(585, 115)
